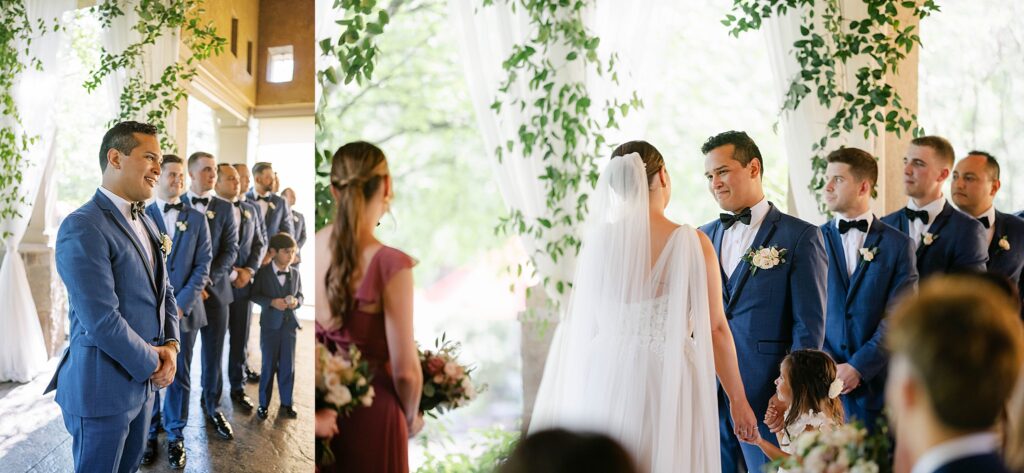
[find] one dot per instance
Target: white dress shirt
(960, 447)
(991, 230)
(916, 227)
(738, 238)
(281, 278)
(170, 217)
(853, 240)
(198, 205)
(136, 224)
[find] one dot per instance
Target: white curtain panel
(22, 349)
(808, 123)
(486, 38)
(155, 59)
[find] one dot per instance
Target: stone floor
(33, 438)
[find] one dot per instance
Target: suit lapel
(872, 240)
(178, 234)
(123, 224)
(934, 229)
(999, 226)
(716, 239)
(764, 235)
(835, 241)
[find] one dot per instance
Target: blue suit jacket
(120, 308)
(279, 216)
(960, 243)
(1008, 263)
(988, 463)
(251, 245)
(299, 224)
(188, 265)
(224, 243)
(775, 310)
(855, 321)
(267, 288)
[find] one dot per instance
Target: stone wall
(48, 293)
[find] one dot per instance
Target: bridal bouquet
(446, 382)
(847, 449)
(342, 382)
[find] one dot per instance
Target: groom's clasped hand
(166, 366)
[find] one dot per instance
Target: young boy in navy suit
(278, 292)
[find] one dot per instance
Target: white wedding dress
(632, 357)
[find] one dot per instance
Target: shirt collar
(122, 205)
(933, 208)
(991, 214)
(277, 268)
(759, 211)
(957, 448)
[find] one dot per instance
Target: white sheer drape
(22, 349)
(486, 37)
(155, 58)
(808, 123)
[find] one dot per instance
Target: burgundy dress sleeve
(385, 264)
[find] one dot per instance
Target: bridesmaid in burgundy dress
(364, 296)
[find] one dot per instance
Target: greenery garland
(156, 18)
(828, 43)
(561, 126)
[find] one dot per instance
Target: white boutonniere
(868, 254)
(1004, 243)
(246, 214)
(182, 225)
(165, 243)
(210, 214)
(928, 238)
(271, 205)
(295, 218)
(764, 258)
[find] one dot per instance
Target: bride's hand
(744, 421)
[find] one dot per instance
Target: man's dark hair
(258, 168)
(990, 163)
(171, 159)
(746, 149)
(939, 144)
(122, 138)
(862, 164)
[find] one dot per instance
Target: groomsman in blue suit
(974, 187)
(245, 178)
(945, 239)
(124, 320)
(773, 308)
(276, 213)
(188, 266)
(870, 266)
(202, 169)
(298, 221)
(250, 252)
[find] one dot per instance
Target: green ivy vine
(828, 44)
(156, 18)
(16, 34)
(562, 125)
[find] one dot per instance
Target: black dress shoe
(242, 400)
(251, 376)
(224, 430)
(289, 412)
(261, 412)
(176, 454)
(150, 453)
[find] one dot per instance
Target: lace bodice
(643, 322)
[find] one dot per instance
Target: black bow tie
(728, 220)
(283, 273)
(201, 200)
(136, 209)
(912, 214)
(237, 203)
(984, 221)
(846, 225)
(179, 206)
(265, 198)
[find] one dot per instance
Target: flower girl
(808, 384)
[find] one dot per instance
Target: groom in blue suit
(974, 187)
(946, 240)
(774, 304)
(124, 320)
(202, 169)
(870, 266)
(188, 267)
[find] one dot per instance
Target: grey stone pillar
(538, 323)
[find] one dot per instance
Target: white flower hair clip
(835, 389)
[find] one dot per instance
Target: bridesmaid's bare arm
(405, 363)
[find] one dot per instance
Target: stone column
(538, 323)
(891, 148)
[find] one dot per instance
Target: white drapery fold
(22, 349)
(486, 38)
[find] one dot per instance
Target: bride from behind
(636, 354)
